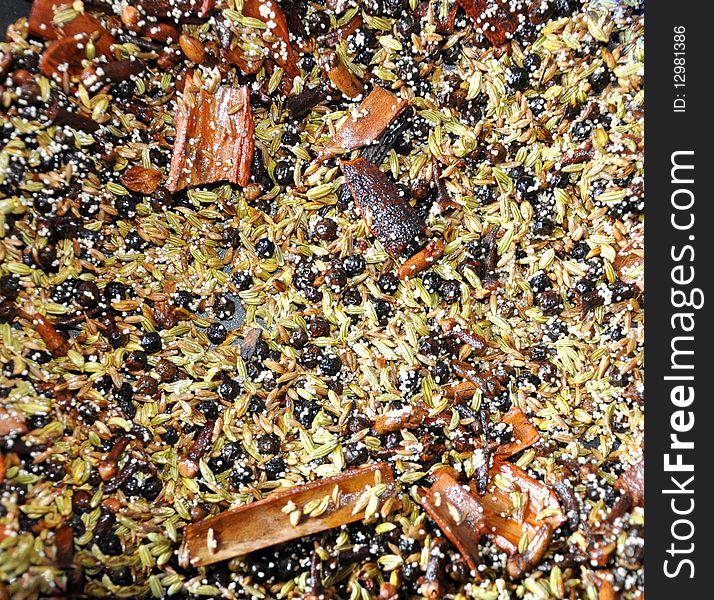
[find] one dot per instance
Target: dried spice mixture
(304, 300)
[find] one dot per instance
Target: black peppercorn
(151, 342)
(326, 230)
(275, 467)
(388, 283)
(264, 248)
(354, 264)
(329, 364)
(209, 409)
(87, 294)
(268, 444)
(450, 291)
(216, 333)
(229, 389)
(284, 172)
(136, 360)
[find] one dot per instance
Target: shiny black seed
(519, 78)
(151, 342)
(298, 338)
(408, 382)
(121, 576)
(224, 307)
(356, 454)
(407, 24)
(354, 265)
(540, 282)
(229, 389)
(117, 339)
(599, 80)
(621, 291)
(242, 280)
(549, 302)
(335, 278)
(565, 8)
(123, 89)
(580, 251)
(326, 230)
(318, 23)
(217, 464)
(352, 297)
(583, 286)
(216, 333)
(542, 227)
(9, 287)
(531, 62)
(264, 248)
(383, 310)
(357, 423)
(275, 467)
(131, 487)
(329, 364)
(558, 179)
(115, 291)
(305, 412)
(581, 131)
(209, 409)
(240, 476)
(41, 357)
(290, 139)
(441, 372)
(170, 436)
(110, 544)
(268, 444)
(151, 488)
(136, 360)
(318, 327)
(450, 291)
(310, 355)
(284, 172)
(231, 452)
(87, 294)
(133, 241)
(388, 283)
(525, 185)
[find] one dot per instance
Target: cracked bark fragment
(214, 139)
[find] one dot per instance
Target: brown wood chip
(264, 523)
(214, 139)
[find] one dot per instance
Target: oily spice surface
(375, 265)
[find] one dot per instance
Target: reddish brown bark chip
(368, 121)
(632, 482)
(214, 139)
(524, 434)
(141, 180)
(458, 513)
(388, 215)
(64, 55)
(497, 20)
(277, 33)
(39, 24)
(64, 543)
(268, 522)
(506, 527)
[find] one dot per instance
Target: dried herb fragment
(214, 139)
(388, 215)
(267, 522)
(367, 122)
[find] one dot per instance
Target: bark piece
(214, 139)
(524, 434)
(340, 76)
(276, 35)
(141, 180)
(497, 20)
(264, 523)
(458, 513)
(422, 260)
(367, 122)
(632, 482)
(499, 516)
(42, 13)
(175, 9)
(388, 215)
